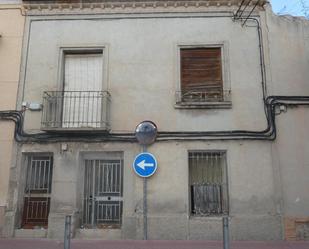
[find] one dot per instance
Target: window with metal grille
(208, 183)
(37, 191)
(103, 191)
(201, 74)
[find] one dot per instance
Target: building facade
(212, 75)
(11, 36)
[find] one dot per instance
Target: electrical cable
(269, 133)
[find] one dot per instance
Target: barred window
(208, 183)
(37, 190)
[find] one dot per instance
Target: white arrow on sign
(143, 165)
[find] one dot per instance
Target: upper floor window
(82, 90)
(201, 74)
(202, 77)
(81, 102)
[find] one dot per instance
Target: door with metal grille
(102, 206)
(37, 191)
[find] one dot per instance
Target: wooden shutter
(83, 72)
(82, 83)
(201, 71)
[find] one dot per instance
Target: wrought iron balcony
(75, 110)
(206, 94)
(209, 96)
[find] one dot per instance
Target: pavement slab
(150, 244)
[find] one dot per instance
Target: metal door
(103, 193)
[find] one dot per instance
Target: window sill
(37, 233)
(204, 105)
(218, 217)
(101, 228)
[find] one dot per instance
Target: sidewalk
(138, 244)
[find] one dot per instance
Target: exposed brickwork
(296, 228)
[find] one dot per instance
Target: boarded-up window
(208, 183)
(37, 191)
(201, 74)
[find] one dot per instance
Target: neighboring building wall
(288, 46)
(11, 31)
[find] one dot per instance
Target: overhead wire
(269, 133)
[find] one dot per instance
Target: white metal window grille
(208, 183)
(37, 191)
(103, 191)
(82, 96)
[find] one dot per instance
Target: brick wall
(296, 228)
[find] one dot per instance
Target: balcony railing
(76, 110)
(212, 95)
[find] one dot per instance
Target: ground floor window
(39, 171)
(208, 183)
(103, 192)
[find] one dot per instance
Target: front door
(103, 193)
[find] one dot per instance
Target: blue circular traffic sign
(145, 164)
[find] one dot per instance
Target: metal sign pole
(67, 232)
(226, 239)
(145, 164)
(145, 201)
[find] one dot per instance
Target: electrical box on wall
(35, 106)
(32, 106)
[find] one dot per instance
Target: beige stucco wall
(267, 180)
(141, 73)
(252, 208)
(142, 64)
(11, 30)
(288, 47)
